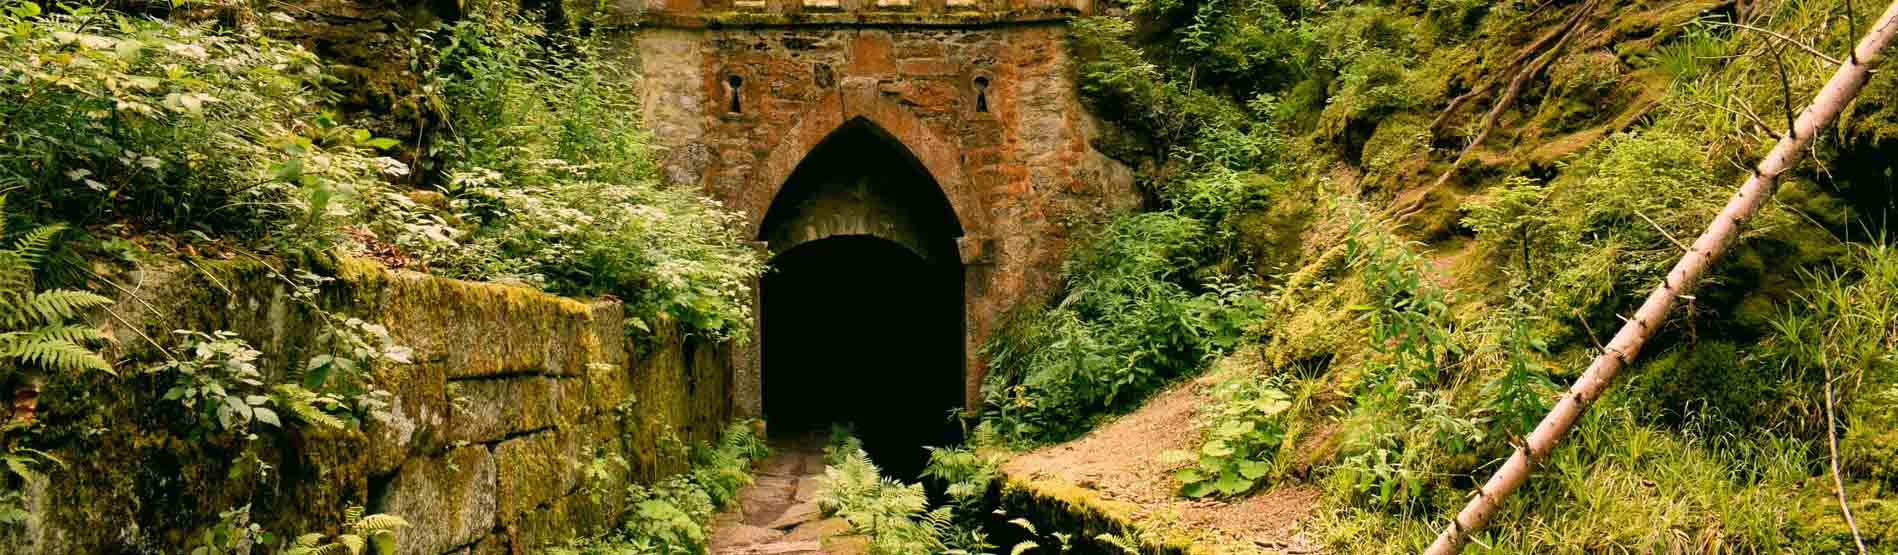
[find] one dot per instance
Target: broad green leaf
(1233, 484)
(1253, 470)
(267, 416)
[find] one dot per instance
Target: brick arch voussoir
(939, 156)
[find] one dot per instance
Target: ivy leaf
(1216, 448)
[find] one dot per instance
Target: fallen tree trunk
(1844, 85)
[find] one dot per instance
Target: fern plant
(360, 532)
(35, 335)
(35, 328)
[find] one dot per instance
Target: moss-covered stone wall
(490, 445)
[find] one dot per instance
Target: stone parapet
(512, 394)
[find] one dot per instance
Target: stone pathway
(777, 514)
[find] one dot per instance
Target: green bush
(111, 118)
(673, 517)
(1127, 324)
(1241, 431)
(555, 184)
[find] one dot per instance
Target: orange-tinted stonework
(982, 96)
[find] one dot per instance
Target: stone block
(531, 471)
(416, 419)
(482, 329)
(928, 67)
(492, 409)
(450, 499)
(871, 53)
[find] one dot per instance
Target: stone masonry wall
(1016, 165)
(511, 392)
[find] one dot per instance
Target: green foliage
(1841, 329)
(1242, 432)
(111, 117)
(672, 517)
(361, 534)
(1127, 324)
(1516, 399)
(39, 335)
(215, 376)
(1692, 54)
(34, 329)
(968, 474)
(894, 517)
(553, 184)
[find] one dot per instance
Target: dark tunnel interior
(862, 332)
(859, 329)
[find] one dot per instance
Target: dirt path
(777, 514)
(1121, 461)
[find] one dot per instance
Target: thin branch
(1838, 482)
(1664, 233)
(1782, 38)
(1748, 115)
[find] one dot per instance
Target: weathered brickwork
(988, 107)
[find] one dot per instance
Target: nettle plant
(1242, 431)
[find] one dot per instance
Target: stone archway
(862, 314)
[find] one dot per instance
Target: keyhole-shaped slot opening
(982, 94)
(733, 84)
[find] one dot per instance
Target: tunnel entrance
(863, 308)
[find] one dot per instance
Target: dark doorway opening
(862, 332)
(863, 306)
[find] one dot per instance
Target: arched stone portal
(862, 314)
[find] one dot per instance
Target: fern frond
(308, 540)
(353, 513)
(59, 356)
(75, 334)
(56, 305)
(298, 401)
(380, 523)
(32, 245)
(20, 466)
(354, 542)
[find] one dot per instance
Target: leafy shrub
(1125, 326)
(110, 117)
(1241, 431)
(555, 185)
(895, 517)
(673, 516)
